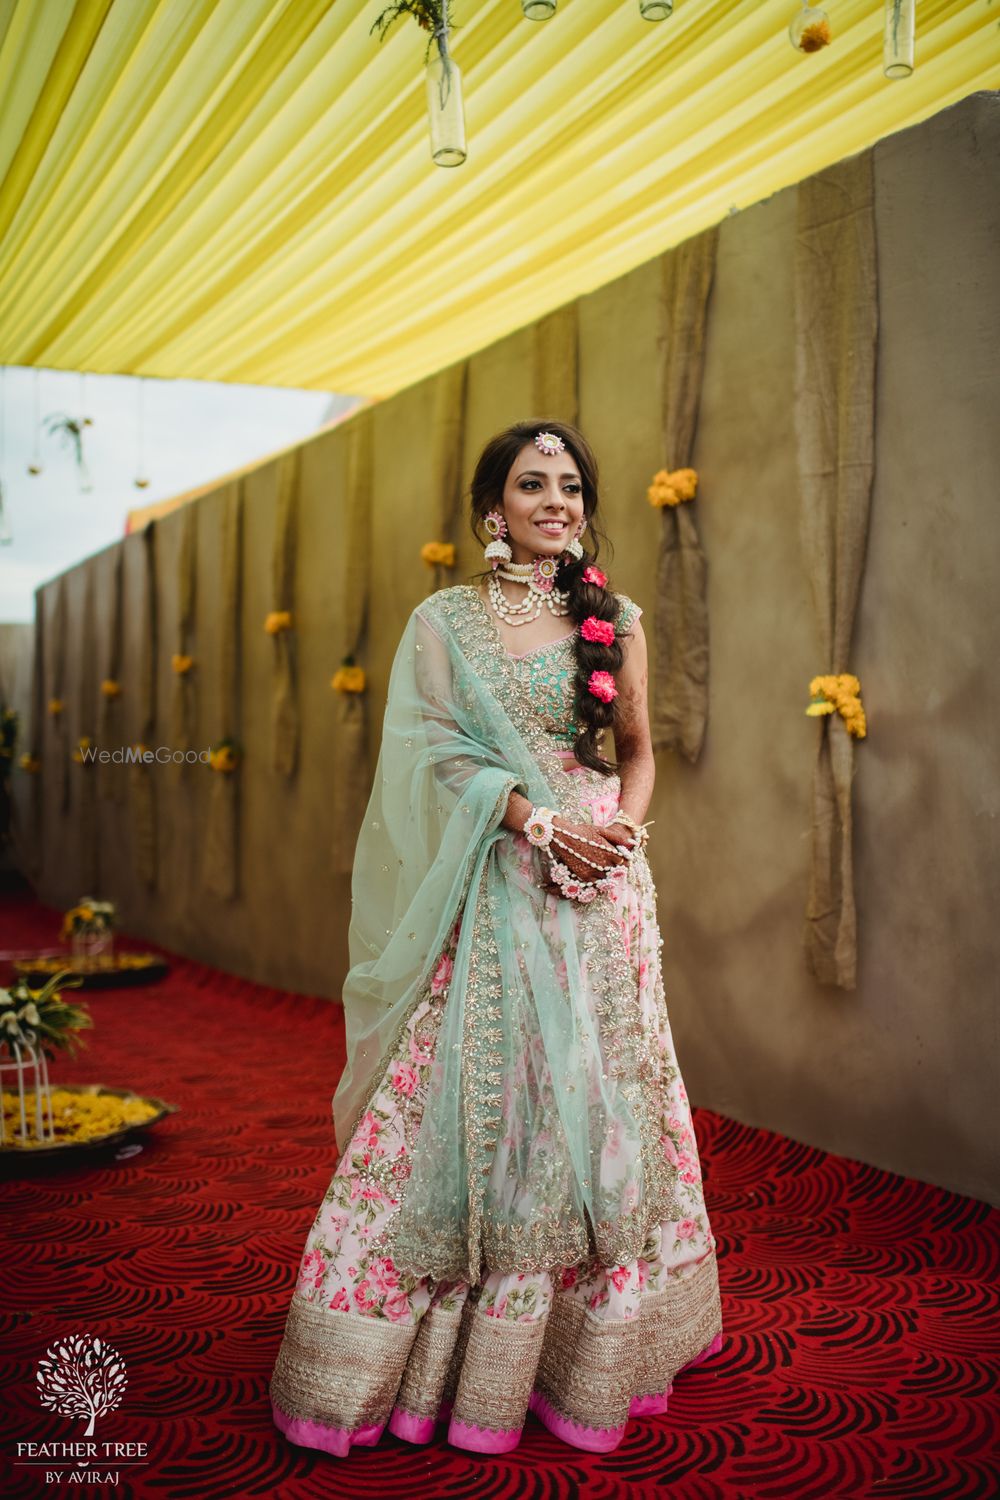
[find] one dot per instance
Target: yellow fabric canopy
(242, 190)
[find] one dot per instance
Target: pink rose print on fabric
(396, 1306)
(340, 1302)
(405, 1079)
(686, 1228)
(442, 975)
(619, 1278)
(382, 1275)
(420, 1050)
(669, 1150)
(311, 1270)
(368, 1130)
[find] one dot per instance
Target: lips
(550, 529)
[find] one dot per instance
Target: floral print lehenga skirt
(368, 1346)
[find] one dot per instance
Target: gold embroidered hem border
(349, 1371)
(337, 1368)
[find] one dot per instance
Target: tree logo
(81, 1376)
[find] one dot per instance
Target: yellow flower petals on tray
(278, 620)
(439, 552)
(86, 963)
(839, 694)
(76, 1117)
(671, 486)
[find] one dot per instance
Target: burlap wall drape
(223, 703)
(451, 398)
(556, 365)
(285, 710)
(110, 733)
(85, 771)
(35, 852)
(679, 708)
(350, 780)
(141, 776)
(59, 721)
(836, 313)
(185, 685)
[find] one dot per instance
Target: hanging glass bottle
(141, 480)
(444, 101)
(656, 10)
(897, 43)
(538, 10)
(35, 466)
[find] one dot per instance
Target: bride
(516, 1222)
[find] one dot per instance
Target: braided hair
(585, 598)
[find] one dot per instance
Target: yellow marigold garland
(278, 620)
(82, 744)
(110, 688)
(671, 486)
(438, 552)
(181, 664)
(225, 756)
(55, 705)
(30, 763)
(839, 694)
(349, 678)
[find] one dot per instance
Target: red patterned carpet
(860, 1308)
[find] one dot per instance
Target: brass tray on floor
(97, 971)
(12, 1152)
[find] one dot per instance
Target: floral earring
(575, 547)
(496, 550)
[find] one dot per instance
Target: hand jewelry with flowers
(539, 829)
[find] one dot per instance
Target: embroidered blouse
(549, 671)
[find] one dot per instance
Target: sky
(193, 431)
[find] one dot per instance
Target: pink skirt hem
(335, 1440)
(414, 1429)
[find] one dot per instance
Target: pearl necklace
(530, 607)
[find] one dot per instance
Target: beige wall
(900, 1072)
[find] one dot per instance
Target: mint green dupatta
(535, 1147)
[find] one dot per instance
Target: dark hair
(585, 599)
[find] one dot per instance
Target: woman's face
(541, 487)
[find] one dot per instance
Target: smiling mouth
(553, 528)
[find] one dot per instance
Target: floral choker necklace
(540, 578)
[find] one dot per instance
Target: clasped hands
(607, 836)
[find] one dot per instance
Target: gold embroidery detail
(498, 1372)
(339, 1368)
(591, 1368)
(423, 1383)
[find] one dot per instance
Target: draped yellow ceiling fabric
(242, 190)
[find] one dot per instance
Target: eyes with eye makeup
(573, 486)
